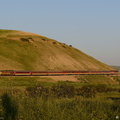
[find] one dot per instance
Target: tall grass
(60, 102)
(66, 109)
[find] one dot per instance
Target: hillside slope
(27, 51)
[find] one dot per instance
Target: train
(54, 73)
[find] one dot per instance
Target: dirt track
(62, 78)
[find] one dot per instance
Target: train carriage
(39, 73)
(22, 73)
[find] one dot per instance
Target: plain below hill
(28, 51)
(116, 67)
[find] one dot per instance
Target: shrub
(32, 91)
(30, 38)
(24, 39)
(86, 91)
(54, 43)
(59, 91)
(63, 46)
(63, 90)
(44, 39)
(38, 91)
(101, 88)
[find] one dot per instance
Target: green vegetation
(67, 109)
(39, 98)
(98, 79)
(112, 82)
(16, 82)
(63, 46)
(25, 39)
(54, 43)
(60, 101)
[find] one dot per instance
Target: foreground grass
(60, 102)
(35, 98)
(78, 108)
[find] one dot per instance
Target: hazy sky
(92, 26)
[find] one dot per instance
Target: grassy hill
(27, 51)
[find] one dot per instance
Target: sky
(92, 26)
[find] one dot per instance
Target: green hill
(27, 51)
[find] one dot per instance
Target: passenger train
(54, 73)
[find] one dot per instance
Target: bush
(54, 43)
(63, 46)
(24, 39)
(59, 91)
(38, 91)
(44, 39)
(30, 38)
(87, 91)
(63, 90)
(32, 91)
(101, 88)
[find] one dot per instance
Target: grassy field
(37, 98)
(46, 80)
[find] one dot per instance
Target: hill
(27, 51)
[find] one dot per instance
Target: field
(42, 98)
